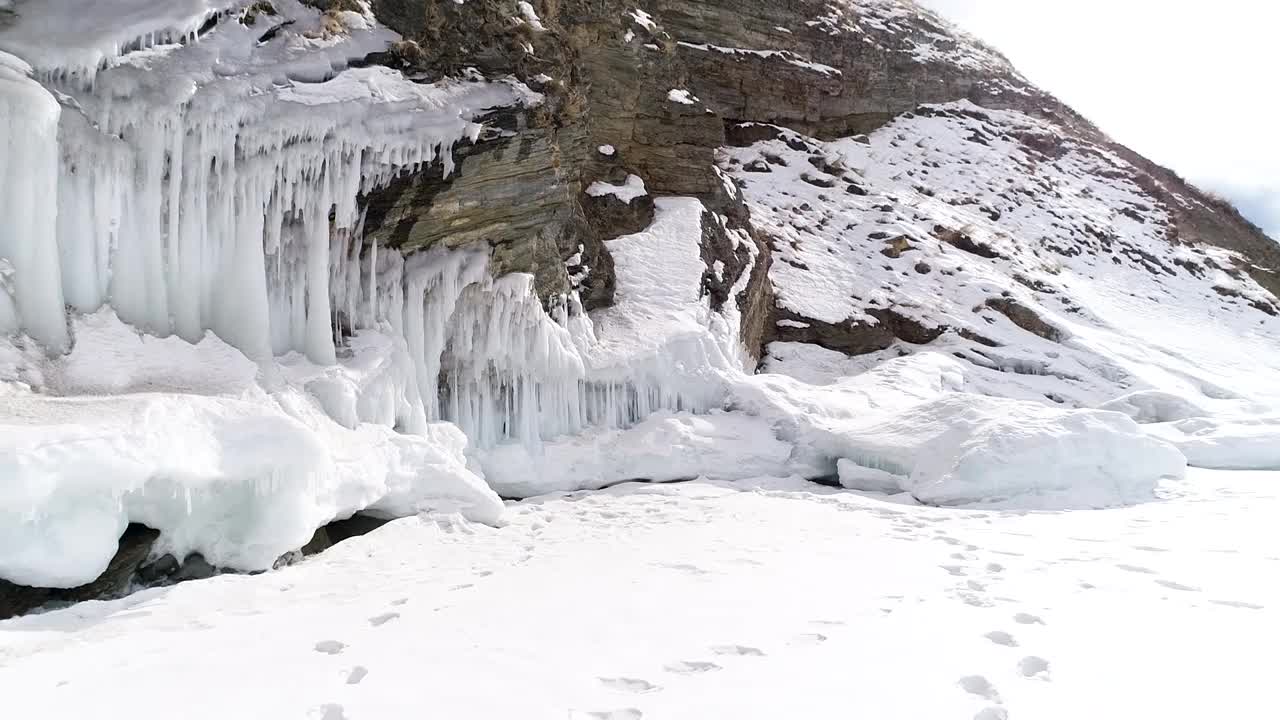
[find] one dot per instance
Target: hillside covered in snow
(272, 266)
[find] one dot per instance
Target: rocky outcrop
(508, 190)
(656, 91)
(1026, 318)
(828, 69)
(340, 530)
(853, 337)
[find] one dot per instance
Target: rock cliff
(666, 86)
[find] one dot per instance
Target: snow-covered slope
(1032, 255)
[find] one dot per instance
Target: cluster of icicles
(186, 223)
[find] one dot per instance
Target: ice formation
(30, 286)
(73, 39)
(196, 193)
(241, 480)
(195, 206)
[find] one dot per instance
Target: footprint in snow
(383, 619)
(357, 674)
(1137, 569)
(1034, 667)
(1028, 619)
(1177, 586)
(980, 686)
(631, 685)
(623, 714)
(992, 713)
(742, 650)
(399, 602)
(1237, 604)
(686, 667)
(330, 647)
(808, 639)
(331, 711)
(974, 599)
(685, 568)
(1001, 637)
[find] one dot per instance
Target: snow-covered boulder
(1226, 434)
(908, 426)
(240, 481)
(963, 448)
(1155, 406)
(1240, 443)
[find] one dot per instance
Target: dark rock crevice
(134, 568)
(133, 550)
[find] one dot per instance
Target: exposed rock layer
(824, 69)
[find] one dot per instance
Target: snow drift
(239, 481)
(1225, 443)
(1215, 433)
(664, 448)
(963, 448)
(906, 426)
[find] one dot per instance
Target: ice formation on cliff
(193, 199)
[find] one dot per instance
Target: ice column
(30, 278)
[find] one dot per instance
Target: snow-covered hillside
(1031, 255)
(267, 265)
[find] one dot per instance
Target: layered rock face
(665, 87)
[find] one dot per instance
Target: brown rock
(1026, 318)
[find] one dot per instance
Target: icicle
(373, 280)
(237, 212)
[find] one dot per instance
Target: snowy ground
(772, 599)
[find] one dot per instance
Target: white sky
(1194, 85)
